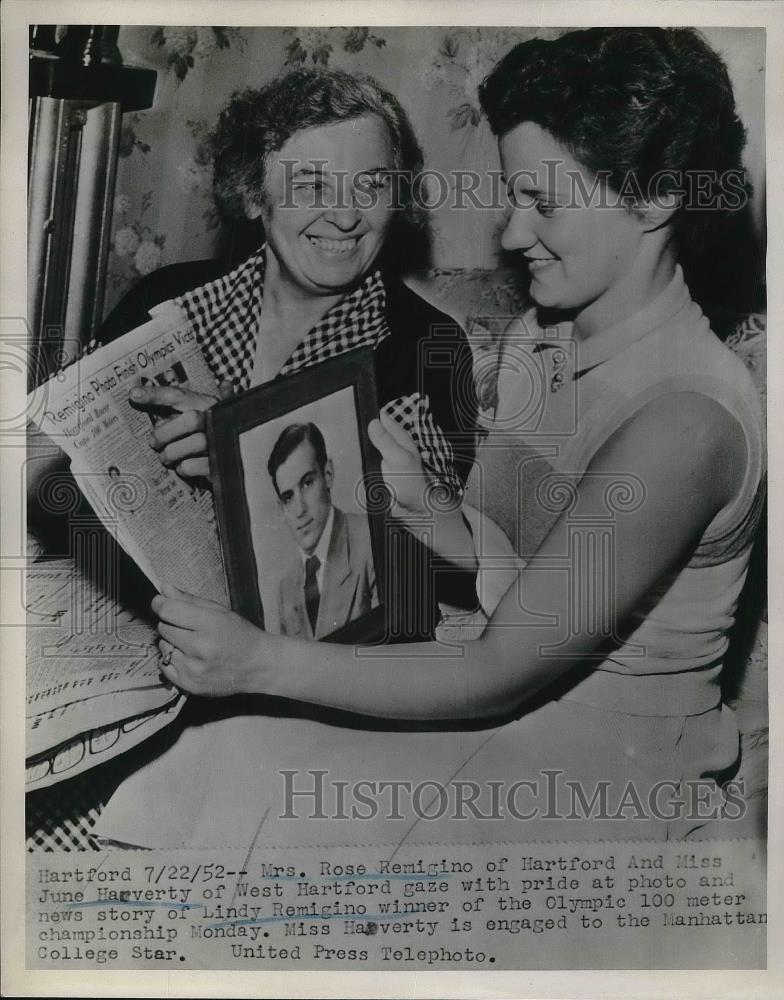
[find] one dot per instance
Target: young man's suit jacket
(348, 586)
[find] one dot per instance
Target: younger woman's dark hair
(257, 122)
(650, 109)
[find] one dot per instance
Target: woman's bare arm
(413, 497)
(686, 451)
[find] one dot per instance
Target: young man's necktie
(312, 564)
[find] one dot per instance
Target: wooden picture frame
(339, 397)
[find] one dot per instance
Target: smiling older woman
(322, 163)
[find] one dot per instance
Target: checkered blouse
(225, 313)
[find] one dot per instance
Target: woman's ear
(658, 213)
(252, 207)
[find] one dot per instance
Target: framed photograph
(294, 468)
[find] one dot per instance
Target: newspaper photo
(543, 229)
(166, 526)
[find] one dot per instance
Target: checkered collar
(225, 317)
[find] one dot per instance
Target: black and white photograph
(292, 503)
(392, 481)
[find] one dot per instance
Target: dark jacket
(427, 353)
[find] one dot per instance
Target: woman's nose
(519, 233)
(345, 217)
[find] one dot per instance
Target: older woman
(630, 501)
(322, 163)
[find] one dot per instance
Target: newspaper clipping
(165, 524)
(550, 240)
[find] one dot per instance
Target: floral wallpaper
(183, 46)
(317, 44)
(164, 212)
(462, 60)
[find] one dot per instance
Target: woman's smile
(538, 264)
(334, 247)
(578, 253)
(323, 237)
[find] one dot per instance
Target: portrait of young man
(331, 580)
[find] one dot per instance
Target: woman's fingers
(376, 433)
(193, 446)
(165, 647)
(182, 443)
(187, 455)
(169, 590)
(398, 433)
(194, 468)
(393, 453)
(187, 641)
(183, 614)
(168, 668)
(169, 397)
(174, 428)
(167, 652)
(184, 672)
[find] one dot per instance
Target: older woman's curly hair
(258, 122)
(651, 104)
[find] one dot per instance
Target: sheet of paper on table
(94, 689)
